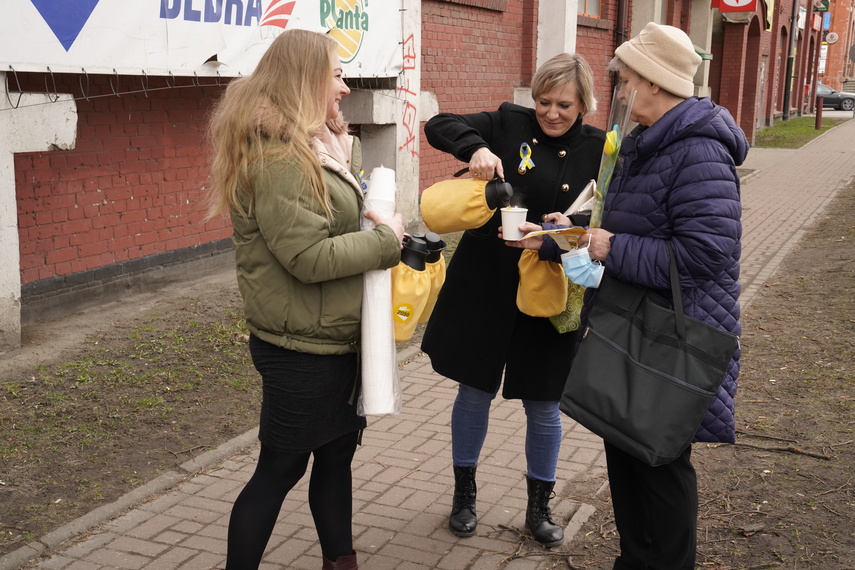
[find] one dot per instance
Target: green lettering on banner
(353, 19)
(326, 10)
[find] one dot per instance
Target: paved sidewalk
(402, 473)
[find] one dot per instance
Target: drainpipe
(621, 34)
(805, 67)
(622, 16)
(791, 54)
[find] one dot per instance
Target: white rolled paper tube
(380, 388)
(380, 195)
(381, 185)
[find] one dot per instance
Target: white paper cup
(512, 219)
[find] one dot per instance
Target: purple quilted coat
(678, 182)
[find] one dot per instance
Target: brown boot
(341, 563)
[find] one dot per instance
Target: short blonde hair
(564, 68)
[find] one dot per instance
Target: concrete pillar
(556, 28)
(390, 122)
(556, 33)
(644, 12)
(29, 122)
(701, 26)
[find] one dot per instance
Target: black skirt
(308, 400)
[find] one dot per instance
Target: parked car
(839, 100)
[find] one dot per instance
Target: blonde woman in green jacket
(287, 172)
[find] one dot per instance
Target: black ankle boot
(463, 520)
(538, 518)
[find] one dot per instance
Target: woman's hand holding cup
(527, 243)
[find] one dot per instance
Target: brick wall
(132, 187)
(595, 41)
(464, 46)
(837, 56)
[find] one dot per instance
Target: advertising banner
(190, 37)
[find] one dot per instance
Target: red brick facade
(494, 51)
(595, 41)
(749, 68)
(133, 186)
(838, 66)
(472, 59)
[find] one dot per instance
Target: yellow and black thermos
(462, 204)
(410, 287)
(435, 267)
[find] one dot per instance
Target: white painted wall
(33, 122)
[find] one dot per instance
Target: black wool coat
(476, 333)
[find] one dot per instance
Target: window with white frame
(590, 8)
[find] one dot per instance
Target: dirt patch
(784, 495)
(101, 401)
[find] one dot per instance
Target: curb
(21, 556)
(17, 558)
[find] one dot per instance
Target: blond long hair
(285, 98)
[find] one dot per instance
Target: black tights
(330, 499)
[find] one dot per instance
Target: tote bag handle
(677, 294)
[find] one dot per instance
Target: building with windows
(103, 172)
(836, 63)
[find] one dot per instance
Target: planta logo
(347, 21)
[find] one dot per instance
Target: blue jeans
(471, 416)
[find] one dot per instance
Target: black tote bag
(645, 374)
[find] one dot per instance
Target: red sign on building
(734, 5)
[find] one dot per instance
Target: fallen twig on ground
(788, 449)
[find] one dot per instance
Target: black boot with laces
(538, 517)
(463, 520)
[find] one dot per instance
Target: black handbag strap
(677, 294)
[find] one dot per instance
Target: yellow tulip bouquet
(620, 121)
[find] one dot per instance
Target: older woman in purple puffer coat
(677, 183)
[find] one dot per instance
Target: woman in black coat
(476, 332)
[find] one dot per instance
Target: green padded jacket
(300, 274)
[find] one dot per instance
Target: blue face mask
(581, 269)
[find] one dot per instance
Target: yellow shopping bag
(542, 291)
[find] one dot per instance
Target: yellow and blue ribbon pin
(525, 155)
